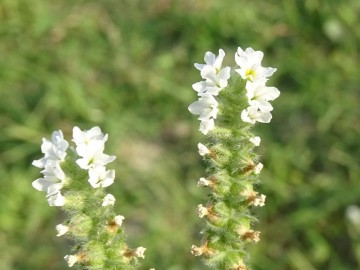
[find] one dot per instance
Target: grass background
(127, 66)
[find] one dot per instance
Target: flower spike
(228, 107)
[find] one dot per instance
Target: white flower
(259, 200)
(252, 115)
(108, 200)
(90, 145)
(56, 199)
(139, 252)
(253, 198)
(202, 211)
(216, 78)
(203, 182)
(249, 62)
(100, 177)
(93, 156)
(258, 95)
(206, 88)
(205, 107)
(255, 140)
(203, 150)
(53, 178)
(85, 137)
(258, 168)
(119, 220)
(248, 234)
(206, 126)
(212, 60)
(61, 229)
(197, 251)
(71, 259)
(52, 150)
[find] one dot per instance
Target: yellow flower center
(250, 74)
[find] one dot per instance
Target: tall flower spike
(233, 107)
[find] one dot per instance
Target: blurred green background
(127, 66)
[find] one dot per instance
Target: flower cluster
(54, 178)
(215, 78)
(258, 94)
(90, 150)
(90, 146)
(74, 178)
(237, 103)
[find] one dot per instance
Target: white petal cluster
(249, 62)
(258, 94)
(215, 78)
(53, 179)
(90, 149)
(90, 146)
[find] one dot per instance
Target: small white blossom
(61, 229)
(93, 156)
(197, 251)
(108, 200)
(255, 140)
(215, 76)
(203, 150)
(252, 115)
(248, 234)
(202, 211)
(85, 137)
(53, 178)
(205, 107)
(56, 199)
(258, 95)
(119, 220)
(203, 182)
(90, 146)
(259, 200)
(71, 259)
(218, 79)
(212, 60)
(100, 177)
(139, 252)
(206, 126)
(253, 198)
(206, 88)
(52, 150)
(258, 168)
(249, 62)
